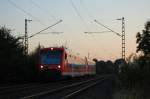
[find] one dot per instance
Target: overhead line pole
(123, 37)
(26, 36)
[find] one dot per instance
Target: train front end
(51, 63)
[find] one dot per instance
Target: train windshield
(51, 57)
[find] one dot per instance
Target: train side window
(65, 56)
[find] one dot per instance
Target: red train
(56, 62)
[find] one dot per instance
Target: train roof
(53, 48)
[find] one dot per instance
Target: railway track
(20, 91)
(68, 91)
(2, 89)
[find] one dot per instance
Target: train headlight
(58, 66)
(41, 66)
(52, 48)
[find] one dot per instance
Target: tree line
(15, 66)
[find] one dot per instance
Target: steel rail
(46, 93)
(82, 89)
(15, 86)
(12, 90)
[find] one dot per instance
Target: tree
(143, 40)
(33, 62)
(11, 55)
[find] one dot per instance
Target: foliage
(33, 59)
(11, 55)
(15, 65)
(136, 73)
(103, 67)
(143, 40)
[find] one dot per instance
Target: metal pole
(123, 38)
(26, 37)
(121, 35)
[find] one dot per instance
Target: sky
(77, 18)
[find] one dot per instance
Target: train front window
(51, 57)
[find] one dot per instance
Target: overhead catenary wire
(45, 29)
(44, 10)
(29, 14)
(76, 10)
(107, 28)
(52, 33)
(98, 32)
(121, 35)
(90, 15)
(86, 9)
(24, 11)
